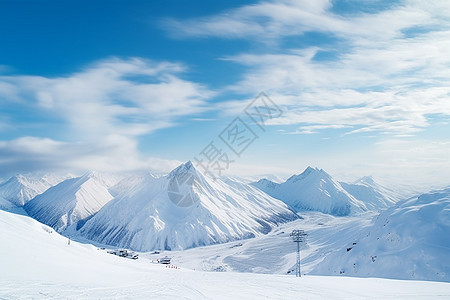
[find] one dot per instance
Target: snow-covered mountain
(410, 240)
(374, 195)
(20, 189)
(185, 209)
(71, 201)
(314, 190)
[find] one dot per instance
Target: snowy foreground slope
(38, 263)
(157, 214)
(409, 240)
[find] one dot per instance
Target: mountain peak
(90, 174)
(187, 167)
(107, 179)
(19, 178)
(264, 183)
(264, 180)
(366, 179)
(308, 171)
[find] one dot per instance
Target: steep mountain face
(410, 240)
(183, 210)
(374, 195)
(20, 189)
(314, 190)
(71, 201)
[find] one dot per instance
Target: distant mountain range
(316, 190)
(183, 209)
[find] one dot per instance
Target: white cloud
(97, 100)
(101, 111)
(385, 79)
(389, 75)
(391, 82)
(267, 20)
(111, 153)
(311, 129)
(384, 61)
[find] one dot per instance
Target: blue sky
(126, 85)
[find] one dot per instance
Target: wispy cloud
(128, 97)
(379, 76)
(276, 19)
(104, 107)
(262, 20)
(380, 72)
(111, 153)
(390, 72)
(392, 88)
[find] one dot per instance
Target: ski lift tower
(298, 236)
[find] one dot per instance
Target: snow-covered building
(165, 260)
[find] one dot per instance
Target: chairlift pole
(298, 273)
(298, 236)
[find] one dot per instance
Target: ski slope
(39, 263)
(275, 253)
